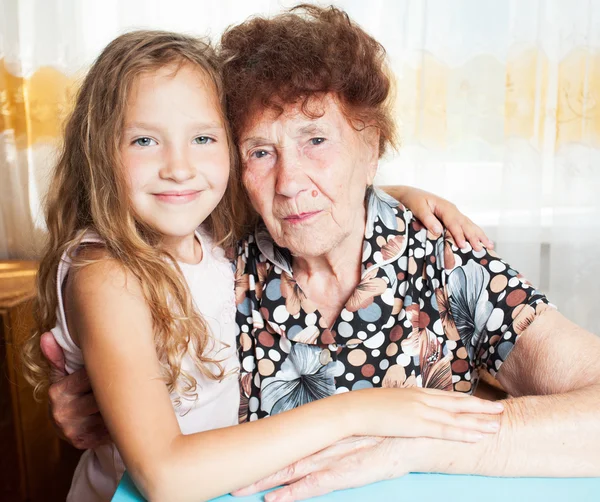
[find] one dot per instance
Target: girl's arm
(109, 319)
(428, 207)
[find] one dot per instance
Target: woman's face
(307, 177)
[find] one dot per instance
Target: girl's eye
(317, 141)
(203, 140)
(144, 142)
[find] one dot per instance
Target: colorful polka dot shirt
(425, 314)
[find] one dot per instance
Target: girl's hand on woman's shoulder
(436, 213)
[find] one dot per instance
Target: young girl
(142, 295)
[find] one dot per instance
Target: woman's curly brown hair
(307, 51)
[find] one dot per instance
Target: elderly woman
(340, 288)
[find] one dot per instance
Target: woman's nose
(291, 178)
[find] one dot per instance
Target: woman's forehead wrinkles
(294, 123)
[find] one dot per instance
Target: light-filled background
(499, 102)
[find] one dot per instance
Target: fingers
(68, 389)
(441, 424)
(464, 231)
(85, 405)
(310, 486)
(54, 354)
(456, 417)
(84, 433)
(64, 409)
(338, 477)
(287, 475)
(437, 430)
(88, 433)
(456, 402)
(61, 398)
(461, 228)
(446, 415)
(476, 236)
(472, 234)
(77, 383)
(70, 421)
(456, 231)
(310, 464)
(432, 224)
(279, 478)
(349, 471)
(482, 236)
(74, 411)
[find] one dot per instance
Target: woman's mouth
(301, 217)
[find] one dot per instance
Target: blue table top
(437, 488)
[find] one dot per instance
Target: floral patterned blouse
(425, 313)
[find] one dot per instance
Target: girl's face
(174, 150)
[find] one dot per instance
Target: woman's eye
(144, 142)
(203, 140)
(317, 141)
(259, 154)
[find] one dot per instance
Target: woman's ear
(371, 137)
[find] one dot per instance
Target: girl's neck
(185, 249)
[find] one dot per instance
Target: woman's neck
(328, 280)
(185, 249)
(341, 260)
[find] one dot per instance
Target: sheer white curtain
(499, 102)
(500, 106)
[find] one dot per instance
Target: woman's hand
(417, 412)
(430, 209)
(73, 409)
(349, 463)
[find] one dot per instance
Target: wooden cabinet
(35, 465)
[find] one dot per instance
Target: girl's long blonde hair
(89, 191)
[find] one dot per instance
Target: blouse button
(325, 357)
